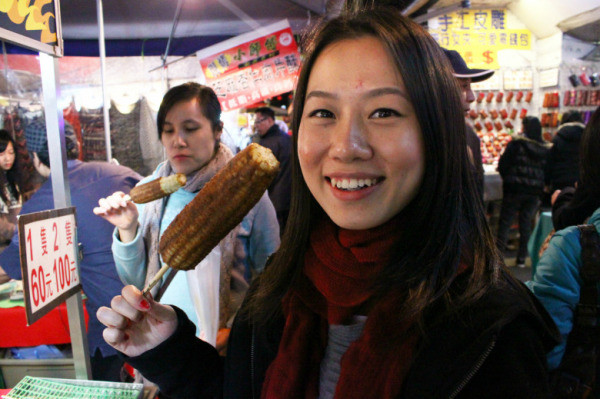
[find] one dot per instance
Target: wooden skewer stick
(155, 279)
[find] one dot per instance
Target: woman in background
(556, 281)
(387, 283)
(10, 188)
(573, 205)
(189, 128)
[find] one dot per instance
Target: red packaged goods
(473, 114)
(489, 97)
(480, 96)
(544, 120)
(478, 126)
(554, 120)
(528, 96)
(509, 96)
(556, 99)
(513, 113)
(508, 124)
(567, 98)
(546, 100)
(494, 114)
(499, 96)
(519, 96)
(584, 79)
(498, 125)
(489, 126)
(503, 113)
(483, 113)
(523, 113)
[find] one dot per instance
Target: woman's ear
(219, 130)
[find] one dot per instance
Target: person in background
(562, 167)
(522, 169)
(557, 279)
(99, 279)
(387, 283)
(465, 77)
(271, 136)
(573, 205)
(10, 188)
(189, 127)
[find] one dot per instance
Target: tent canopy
(144, 27)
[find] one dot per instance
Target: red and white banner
(252, 67)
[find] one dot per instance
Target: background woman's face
(188, 137)
(7, 157)
(359, 144)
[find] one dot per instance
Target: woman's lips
(352, 189)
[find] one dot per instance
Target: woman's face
(7, 157)
(359, 144)
(188, 137)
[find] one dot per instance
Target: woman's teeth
(352, 184)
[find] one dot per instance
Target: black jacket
(281, 187)
(573, 206)
(562, 168)
(522, 166)
(492, 349)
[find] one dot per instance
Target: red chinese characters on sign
(48, 259)
(253, 70)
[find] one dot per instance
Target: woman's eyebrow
(320, 94)
(383, 91)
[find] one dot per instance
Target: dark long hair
(532, 128)
(445, 221)
(589, 163)
(12, 176)
(209, 104)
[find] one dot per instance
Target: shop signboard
(35, 26)
(521, 79)
(251, 67)
(478, 35)
(49, 264)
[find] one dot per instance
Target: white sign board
(48, 249)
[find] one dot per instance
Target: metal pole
(55, 130)
(106, 100)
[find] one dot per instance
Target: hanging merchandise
(92, 130)
(125, 138)
(71, 115)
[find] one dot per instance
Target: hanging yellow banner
(478, 35)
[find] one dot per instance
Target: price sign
(48, 249)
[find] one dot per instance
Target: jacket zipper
(252, 364)
(474, 369)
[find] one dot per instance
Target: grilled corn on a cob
(219, 207)
(157, 188)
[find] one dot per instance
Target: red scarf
(339, 269)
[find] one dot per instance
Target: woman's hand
(121, 213)
(136, 324)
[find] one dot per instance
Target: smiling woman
(387, 283)
(359, 144)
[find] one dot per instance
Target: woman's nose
(180, 139)
(349, 142)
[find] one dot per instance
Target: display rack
(52, 388)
